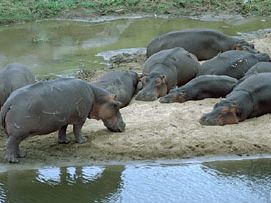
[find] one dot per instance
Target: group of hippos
(233, 69)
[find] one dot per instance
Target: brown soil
(154, 131)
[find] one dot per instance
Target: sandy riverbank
(156, 131)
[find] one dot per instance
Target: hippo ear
(237, 47)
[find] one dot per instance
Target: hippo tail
(4, 110)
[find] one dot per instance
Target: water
(220, 181)
(63, 47)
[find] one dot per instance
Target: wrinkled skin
(120, 83)
(163, 71)
(249, 99)
(201, 87)
(203, 43)
(232, 63)
(222, 114)
(50, 106)
(12, 77)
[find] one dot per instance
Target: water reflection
(223, 181)
(62, 47)
(71, 184)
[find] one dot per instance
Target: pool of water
(63, 47)
(218, 181)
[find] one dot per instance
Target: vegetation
(25, 10)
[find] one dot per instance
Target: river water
(64, 47)
(247, 181)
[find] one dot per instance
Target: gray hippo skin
(50, 106)
(250, 98)
(165, 70)
(12, 77)
(232, 63)
(261, 67)
(204, 86)
(120, 83)
(203, 43)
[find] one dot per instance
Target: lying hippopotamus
(120, 83)
(164, 70)
(12, 77)
(251, 98)
(204, 86)
(203, 43)
(49, 106)
(233, 63)
(261, 67)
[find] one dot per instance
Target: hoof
(11, 159)
(81, 140)
(67, 141)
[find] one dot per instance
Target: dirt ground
(155, 131)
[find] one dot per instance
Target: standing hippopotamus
(203, 43)
(120, 83)
(251, 98)
(49, 106)
(261, 67)
(233, 63)
(164, 70)
(204, 86)
(12, 77)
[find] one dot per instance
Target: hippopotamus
(203, 43)
(50, 106)
(251, 98)
(201, 87)
(120, 83)
(12, 77)
(233, 63)
(261, 67)
(164, 70)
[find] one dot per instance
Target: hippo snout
(165, 99)
(143, 96)
(206, 120)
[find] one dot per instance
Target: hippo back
(233, 63)
(13, 77)
(183, 63)
(204, 43)
(49, 104)
(120, 83)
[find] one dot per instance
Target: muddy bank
(155, 131)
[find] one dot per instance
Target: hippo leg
(13, 152)
(62, 139)
(77, 133)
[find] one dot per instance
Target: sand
(155, 131)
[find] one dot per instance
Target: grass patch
(25, 10)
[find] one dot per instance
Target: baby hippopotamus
(203, 43)
(50, 106)
(12, 77)
(165, 70)
(201, 87)
(251, 98)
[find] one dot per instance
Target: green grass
(25, 10)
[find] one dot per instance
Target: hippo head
(174, 95)
(244, 45)
(224, 112)
(108, 112)
(151, 87)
